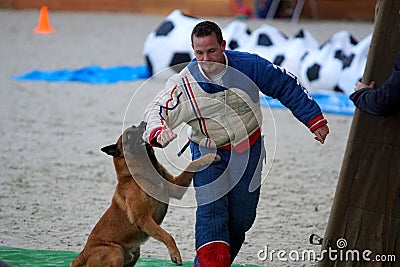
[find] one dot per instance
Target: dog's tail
(78, 261)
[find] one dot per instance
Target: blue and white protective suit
(226, 118)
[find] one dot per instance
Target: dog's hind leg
(110, 255)
(78, 261)
(135, 256)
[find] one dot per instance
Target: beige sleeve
(164, 110)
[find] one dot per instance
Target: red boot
(214, 254)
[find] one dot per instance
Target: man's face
(208, 52)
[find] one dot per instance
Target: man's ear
(223, 45)
(111, 150)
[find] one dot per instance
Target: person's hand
(166, 136)
(360, 85)
(321, 133)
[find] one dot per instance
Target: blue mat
(91, 74)
(330, 102)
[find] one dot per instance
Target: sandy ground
(55, 182)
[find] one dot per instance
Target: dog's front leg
(150, 227)
(181, 182)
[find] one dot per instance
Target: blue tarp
(330, 102)
(91, 74)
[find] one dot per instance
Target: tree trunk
(365, 214)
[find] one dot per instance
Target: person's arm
(321, 133)
(278, 83)
(382, 101)
(162, 116)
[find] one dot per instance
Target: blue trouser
(227, 194)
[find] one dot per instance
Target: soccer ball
(295, 48)
(321, 68)
(354, 70)
(265, 42)
(167, 49)
(236, 34)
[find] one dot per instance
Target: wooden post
(365, 214)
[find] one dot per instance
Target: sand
(55, 183)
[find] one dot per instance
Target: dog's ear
(111, 150)
(142, 124)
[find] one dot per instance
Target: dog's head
(130, 141)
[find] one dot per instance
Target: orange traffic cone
(44, 26)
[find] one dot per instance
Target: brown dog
(139, 204)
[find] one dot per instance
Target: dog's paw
(217, 158)
(202, 162)
(210, 159)
(176, 259)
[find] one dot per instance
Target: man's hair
(206, 28)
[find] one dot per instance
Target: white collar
(217, 78)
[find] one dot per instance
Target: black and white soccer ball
(291, 53)
(167, 49)
(320, 69)
(265, 41)
(236, 34)
(355, 66)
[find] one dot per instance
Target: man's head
(208, 46)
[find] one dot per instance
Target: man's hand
(363, 85)
(321, 133)
(165, 137)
